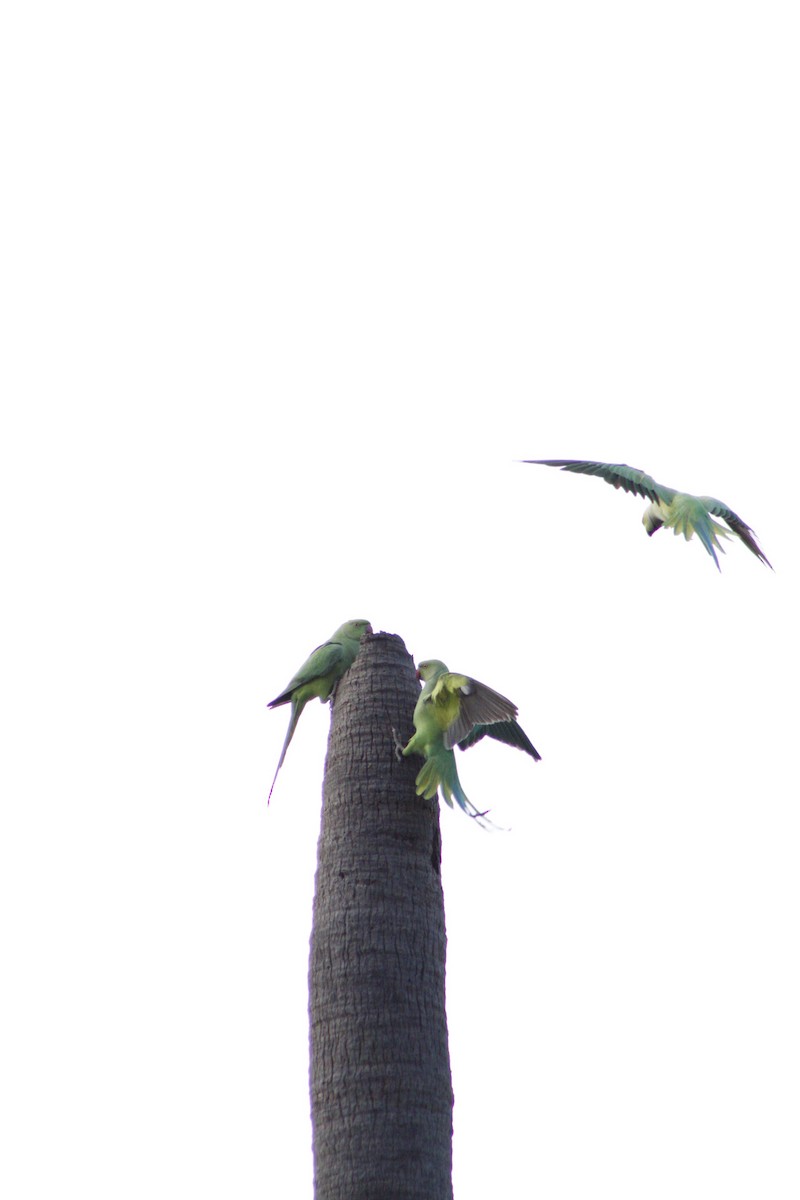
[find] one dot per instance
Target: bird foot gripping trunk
(381, 1093)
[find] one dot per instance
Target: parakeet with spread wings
(454, 710)
(678, 511)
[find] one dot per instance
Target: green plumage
(679, 511)
(319, 675)
(454, 710)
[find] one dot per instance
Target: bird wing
(619, 475)
(320, 662)
(737, 525)
(461, 703)
(508, 732)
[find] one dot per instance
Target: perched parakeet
(454, 710)
(319, 675)
(678, 511)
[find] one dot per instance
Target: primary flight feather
(454, 710)
(679, 511)
(319, 675)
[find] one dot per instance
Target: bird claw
(483, 820)
(398, 746)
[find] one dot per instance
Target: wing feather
(320, 662)
(472, 703)
(737, 526)
(508, 732)
(619, 475)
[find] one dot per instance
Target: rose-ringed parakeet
(679, 511)
(319, 675)
(454, 710)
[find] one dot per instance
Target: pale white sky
(286, 293)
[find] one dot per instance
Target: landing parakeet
(679, 511)
(454, 710)
(319, 675)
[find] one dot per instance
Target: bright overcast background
(288, 289)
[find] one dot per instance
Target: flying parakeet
(679, 511)
(319, 675)
(454, 710)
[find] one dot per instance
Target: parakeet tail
(439, 773)
(297, 708)
(707, 530)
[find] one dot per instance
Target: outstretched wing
(508, 732)
(461, 703)
(619, 475)
(737, 526)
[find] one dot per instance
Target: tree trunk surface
(381, 1093)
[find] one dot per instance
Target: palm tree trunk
(381, 1095)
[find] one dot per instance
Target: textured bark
(381, 1095)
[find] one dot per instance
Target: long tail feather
(707, 532)
(688, 516)
(297, 708)
(439, 773)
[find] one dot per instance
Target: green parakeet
(319, 675)
(454, 710)
(679, 511)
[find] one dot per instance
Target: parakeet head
(430, 668)
(356, 629)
